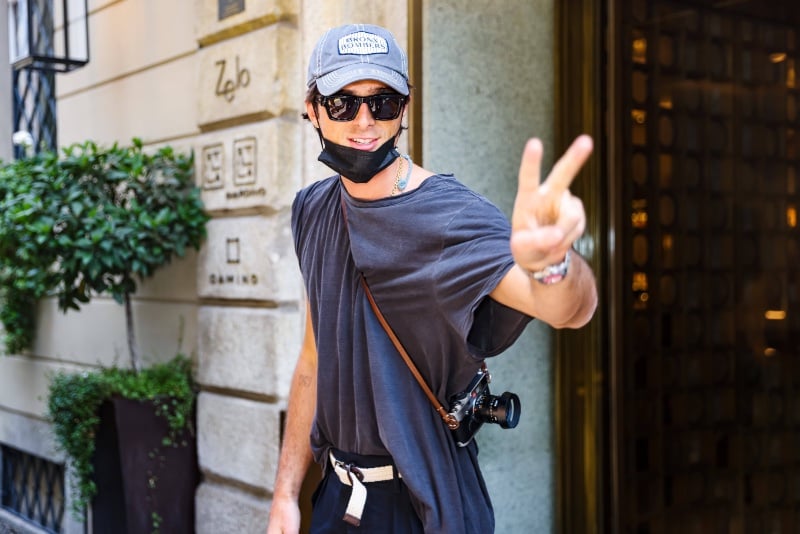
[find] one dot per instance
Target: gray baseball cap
(356, 52)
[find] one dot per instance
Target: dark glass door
(708, 398)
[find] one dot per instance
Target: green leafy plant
(91, 220)
(87, 221)
(17, 313)
(75, 400)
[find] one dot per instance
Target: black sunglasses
(384, 107)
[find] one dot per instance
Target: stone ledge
(11, 524)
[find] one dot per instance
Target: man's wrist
(552, 274)
(284, 496)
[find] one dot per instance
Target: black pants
(388, 508)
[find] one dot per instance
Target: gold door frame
(415, 73)
(583, 380)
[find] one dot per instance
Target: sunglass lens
(345, 107)
(386, 107)
(342, 107)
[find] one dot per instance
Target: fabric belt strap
(356, 477)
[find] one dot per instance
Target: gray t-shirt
(431, 256)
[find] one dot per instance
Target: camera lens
(503, 410)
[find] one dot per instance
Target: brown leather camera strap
(451, 422)
(448, 418)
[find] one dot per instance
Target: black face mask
(358, 165)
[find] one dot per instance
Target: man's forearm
(296, 448)
(569, 303)
(295, 454)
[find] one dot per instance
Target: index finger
(567, 167)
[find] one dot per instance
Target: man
(455, 282)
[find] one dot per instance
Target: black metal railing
(35, 90)
(35, 108)
(32, 488)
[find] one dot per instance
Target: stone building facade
(226, 80)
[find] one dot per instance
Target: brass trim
(580, 383)
(241, 29)
(614, 47)
(415, 37)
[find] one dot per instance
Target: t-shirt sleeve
(473, 260)
(494, 328)
(297, 217)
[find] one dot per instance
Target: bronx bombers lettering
(362, 44)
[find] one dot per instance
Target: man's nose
(364, 116)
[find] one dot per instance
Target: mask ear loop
(400, 130)
(318, 126)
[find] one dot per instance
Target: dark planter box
(136, 475)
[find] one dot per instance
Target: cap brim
(334, 81)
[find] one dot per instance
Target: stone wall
(249, 165)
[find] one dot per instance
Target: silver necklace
(400, 185)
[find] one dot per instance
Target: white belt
(356, 477)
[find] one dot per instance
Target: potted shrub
(88, 221)
(130, 439)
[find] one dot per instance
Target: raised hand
(547, 218)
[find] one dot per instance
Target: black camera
(475, 406)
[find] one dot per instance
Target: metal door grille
(711, 386)
(35, 107)
(32, 488)
(35, 90)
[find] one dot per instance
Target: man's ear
(312, 114)
(406, 106)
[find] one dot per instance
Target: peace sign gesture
(547, 218)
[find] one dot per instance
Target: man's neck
(379, 186)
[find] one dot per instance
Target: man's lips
(363, 143)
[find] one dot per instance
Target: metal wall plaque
(227, 8)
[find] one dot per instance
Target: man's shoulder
(320, 186)
(448, 193)
(317, 191)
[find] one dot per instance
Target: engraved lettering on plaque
(241, 279)
(244, 161)
(233, 277)
(212, 166)
(229, 82)
(232, 250)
